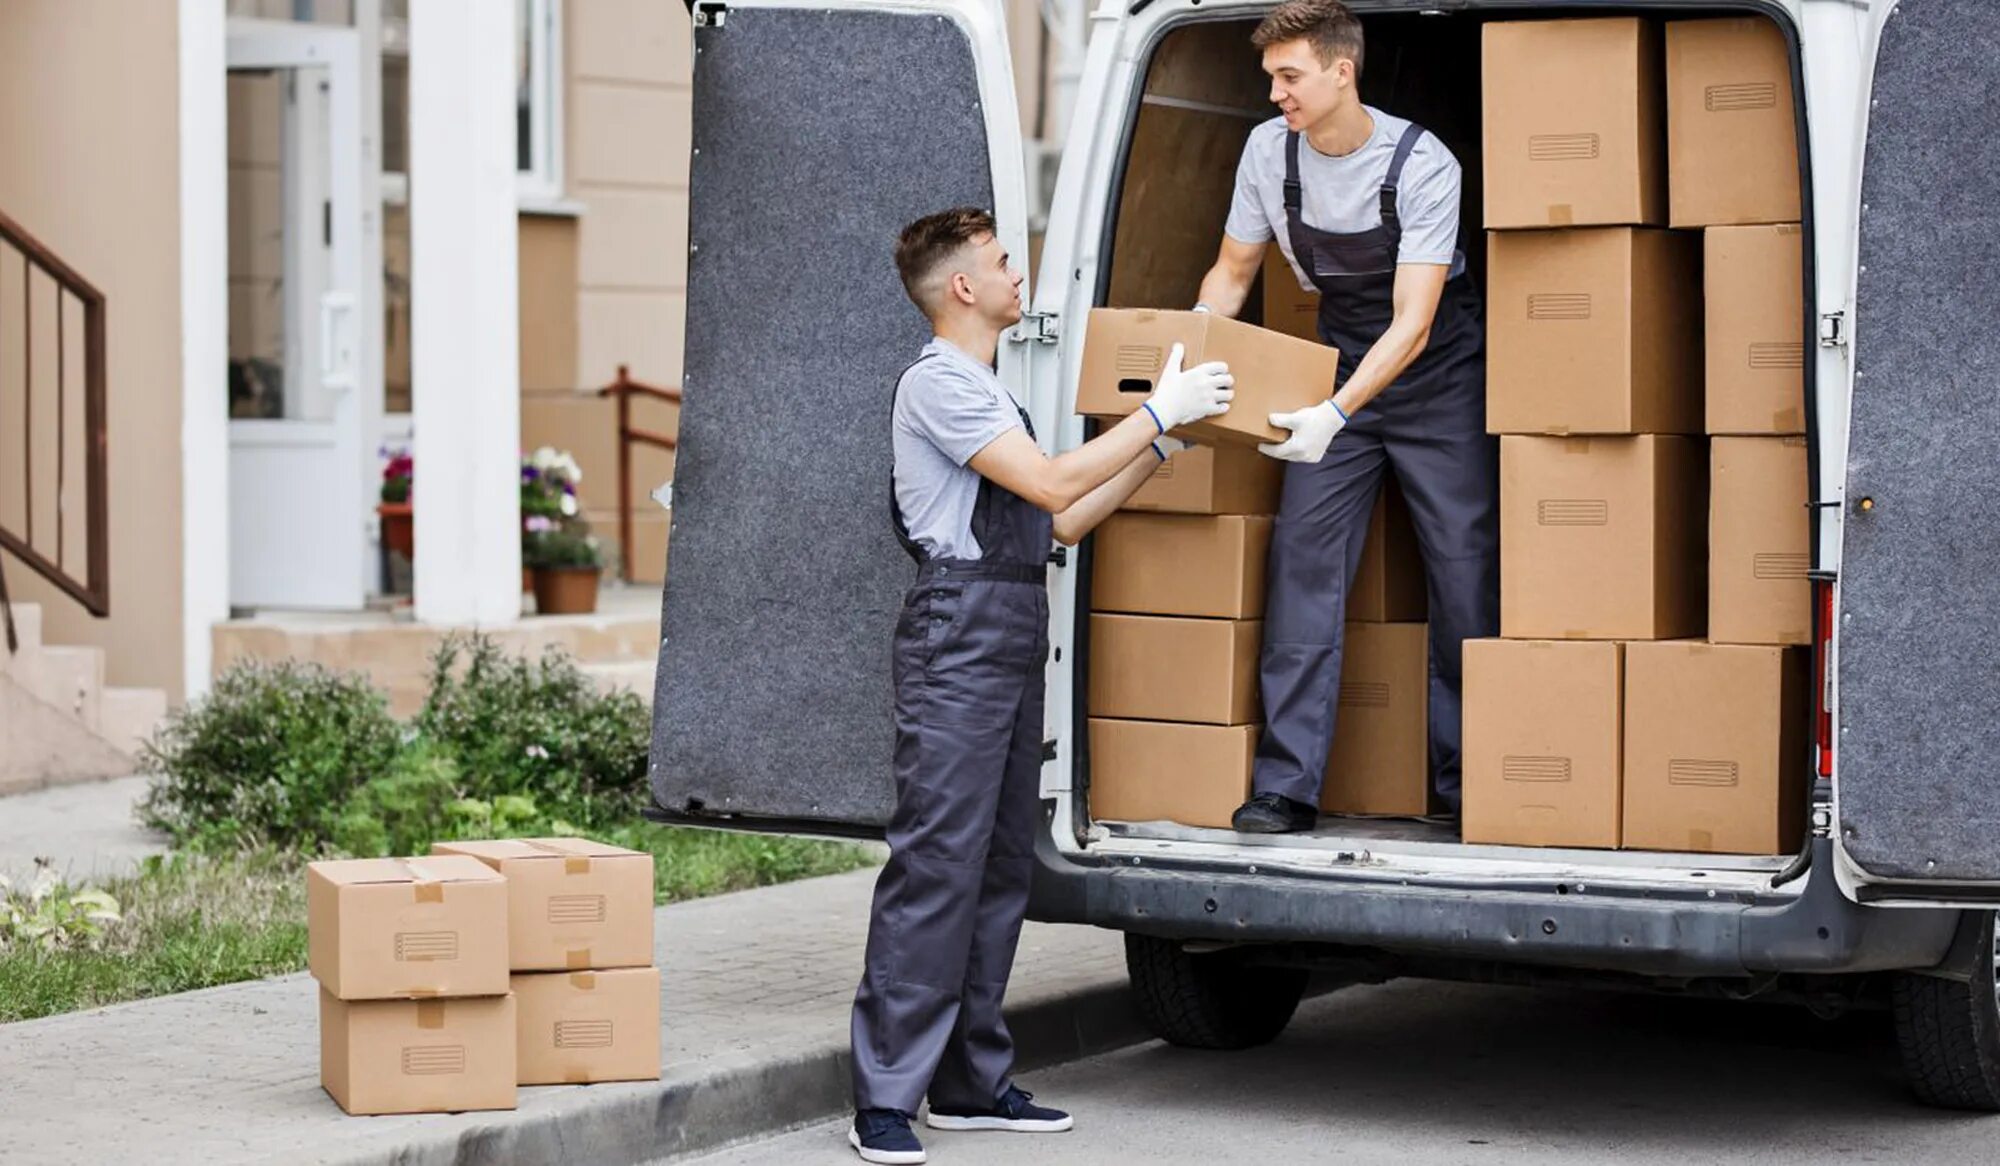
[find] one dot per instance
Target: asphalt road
(1424, 1072)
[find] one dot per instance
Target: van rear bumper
(1814, 930)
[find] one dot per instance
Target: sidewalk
(87, 830)
(756, 986)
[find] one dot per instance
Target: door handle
(336, 340)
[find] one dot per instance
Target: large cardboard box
(1715, 748)
(1390, 585)
(1759, 542)
(1380, 761)
(1147, 771)
(1573, 122)
(1543, 742)
(1161, 668)
(574, 1028)
(1601, 538)
(1125, 348)
(571, 903)
(1181, 564)
(1755, 324)
(1732, 135)
(1213, 479)
(1288, 307)
(417, 1056)
(381, 928)
(1593, 331)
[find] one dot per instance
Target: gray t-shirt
(948, 408)
(1343, 194)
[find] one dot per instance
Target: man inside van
(1365, 207)
(975, 503)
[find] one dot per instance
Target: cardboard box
(1390, 585)
(1759, 542)
(1125, 348)
(1543, 742)
(1380, 761)
(1288, 307)
(417, 1056)
(571, 903)
(1593, 331)
(1213, 479)
(1755, 328)
(1181, 564)
(575, 1028)
(1149, 771)
(1732, 134)
(381, 928)
(1715, 748)
(1159, 668)
(1601, 538)
(1573, 118)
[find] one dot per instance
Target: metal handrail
(624, 389)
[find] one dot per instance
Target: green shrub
(404, 810)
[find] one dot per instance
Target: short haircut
(1332, 30)
(928, 243)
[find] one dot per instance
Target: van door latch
(1833, 330)
(710, 15)
(1038, 328)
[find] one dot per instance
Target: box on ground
(384, 928)
(417, 1056)
(1602, 538)
(1288, 307)
(1165, 668)
(1755, 322)
(571, 903)
(1543, 742)
(1125, 348)
(1732, 136)
(1213, 479)
(1380, 760)
(1759, 542)
(1593, 331)
(575, 1028)
(1144, 771)
(1572, 112)
(1715, 748)
(1390, 585)
(1181, 564)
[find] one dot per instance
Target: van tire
(1210, 1000)
(1949, 1031)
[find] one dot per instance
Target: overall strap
(910, 546)
(1390, 220)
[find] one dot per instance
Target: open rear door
(819, 131)
(1917, 803)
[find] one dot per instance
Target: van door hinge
(1833, 330)
(1037, 328)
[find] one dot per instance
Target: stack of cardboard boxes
(447, 981)
(1602, 717)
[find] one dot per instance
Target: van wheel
(1950, 1033)
(1213, 1000)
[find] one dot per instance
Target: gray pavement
(87, 830)
(1433, 1073)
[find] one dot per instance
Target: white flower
(569, 505)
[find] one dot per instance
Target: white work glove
(1180, 397)
(1167, 447)
(1313, 429)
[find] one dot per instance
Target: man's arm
(1417, 290)
(1227, 284)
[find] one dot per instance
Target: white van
(821, 126)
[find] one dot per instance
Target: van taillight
(1823, 673)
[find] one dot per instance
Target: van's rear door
(819, 130)
(1917, 804)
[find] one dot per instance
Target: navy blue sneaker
(1014, 1111)
(883, 1135)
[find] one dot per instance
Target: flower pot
(566, 590)
(527, 580)
(399, 529)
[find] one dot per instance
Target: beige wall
(89, 164)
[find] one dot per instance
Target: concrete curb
(735, 1101)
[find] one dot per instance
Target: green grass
(195, 922)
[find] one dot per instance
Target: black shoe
(883, 1135)
(1274, 814)
(1014, 1111)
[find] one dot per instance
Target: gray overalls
(1430, 428)
(969, 653)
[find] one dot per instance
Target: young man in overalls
(976, 504)
(1365, 206)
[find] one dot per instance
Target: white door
(298, 508)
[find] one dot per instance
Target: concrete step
(130, 715)
(25, 664)
(42, 745)
(72, 679)
(633, 675)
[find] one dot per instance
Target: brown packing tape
(430, 1014)
(430, 892)
(421, 993)
(576, 1075)
(1786, 418)
(1699, 840)
(576, 864)
(577, 960)
(587, 981)
(1561, 215)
